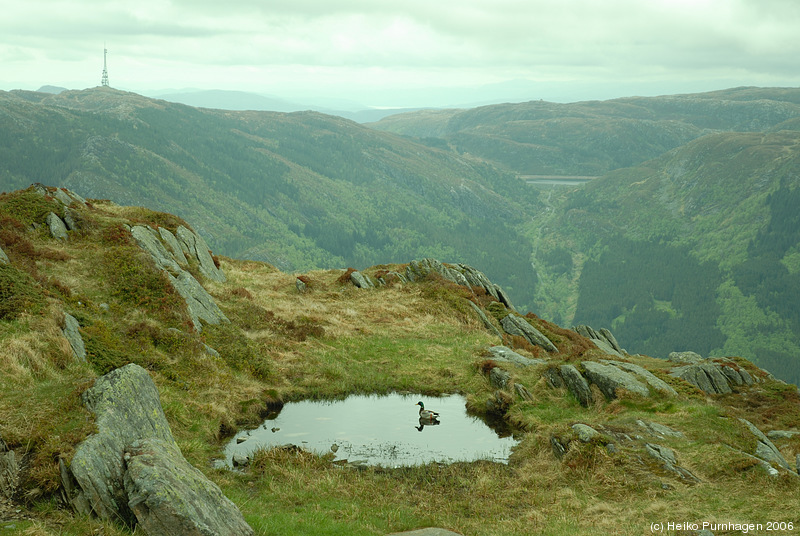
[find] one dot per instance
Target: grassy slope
(332, 341)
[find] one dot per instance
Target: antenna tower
(104, 80)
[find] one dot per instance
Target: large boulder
(132, 471)
(126, 406)
(603, 339)
(56, 227)
(170, 497)
(516, 325)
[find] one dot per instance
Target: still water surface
(380, 430)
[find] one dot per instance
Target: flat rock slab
(610, 379)
(171, 498)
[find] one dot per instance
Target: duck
(426, 415)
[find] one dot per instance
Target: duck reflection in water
(426, 417)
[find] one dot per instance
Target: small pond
(379, 430)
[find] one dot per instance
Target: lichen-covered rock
(360, 281)
(584, 432)
(504, 354)
(516, 325)
(577, 385)
(126, 406)
(485, 319)
(3, 257)
(169, 497)
(56, 226)
(765, 449)
(460, 274)
(200, 303)
(669, 462)
(652, 380)
(73, 335)
(148, 240)
(9, 471)
(609, 379)
(174, 245)
(197, 248)
(685, 357)
(706, 376)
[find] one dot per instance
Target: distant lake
(380, 430)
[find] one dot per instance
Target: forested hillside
(696, 250)
(595, 137)
(300, 191)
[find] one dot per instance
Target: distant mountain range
(688, 240)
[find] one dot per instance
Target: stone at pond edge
(170, 497)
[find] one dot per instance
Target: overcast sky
(566, 49)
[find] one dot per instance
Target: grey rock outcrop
(584, 432)
(360, 281)
(73, 335)
(782, 434)
(685, 357)
(3, 257)
(576, 384)
(131, 470)
(658, 429)
(126, 406)
(651, 379)
(504, 354)
(603, 339)
(9, 471)
(170, 497)
(669, 462)
(148, 240)
(765, 449)
(516, 325)
(713, 378)
(485, 319)
(56, 226)
(460, 274)
(195, 246)
(609, 379)
(174, 246)
(199, 302)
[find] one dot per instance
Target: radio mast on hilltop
(104, 80)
